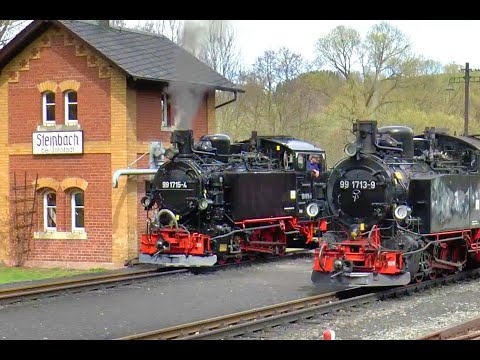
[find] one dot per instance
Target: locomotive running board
(178, 260)
(360, 279)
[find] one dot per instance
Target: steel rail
(192, 330)
(280, 314)
(465, 331)
(35, 291)
(15, 294)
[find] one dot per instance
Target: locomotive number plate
(174, 184)
(358, 184)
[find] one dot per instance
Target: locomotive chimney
(366, 132)
(184, 141)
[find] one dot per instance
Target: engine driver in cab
(313, 165)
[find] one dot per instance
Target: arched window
(71, 105)
(50, 210)
(78, 211)
(48, 108)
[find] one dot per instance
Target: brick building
(78, 101)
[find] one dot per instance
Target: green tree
(338, 49)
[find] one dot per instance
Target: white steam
(187, 98)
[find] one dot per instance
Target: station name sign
(57, 142)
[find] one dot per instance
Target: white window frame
(45, 211)
(164, 110)
(74, 207)
(67, 102)
(44, 109)
(165, 120)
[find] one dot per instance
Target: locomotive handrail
(120, 172)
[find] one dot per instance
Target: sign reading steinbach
(57, 142)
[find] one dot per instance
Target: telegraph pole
(467, 98)
(467, 79)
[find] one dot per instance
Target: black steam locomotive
(404, 208)
(215, 201)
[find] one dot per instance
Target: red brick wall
(96, 170)
(149, 117)
(59, 63)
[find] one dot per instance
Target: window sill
(168, 128)
(57, 235)
(58, 127)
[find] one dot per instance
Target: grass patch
(17, 274)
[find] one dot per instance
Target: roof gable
(141, 55)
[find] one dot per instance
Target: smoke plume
(187, 98)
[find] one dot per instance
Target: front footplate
(360, 279)
(178, 260)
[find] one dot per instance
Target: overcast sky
(446, 41)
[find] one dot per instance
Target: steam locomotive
(216, 201)
(404, 208)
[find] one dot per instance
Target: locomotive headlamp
(351, 149)
(401, 212)
(338, 264)
(202, 204)
(312, 209)
(146, 201)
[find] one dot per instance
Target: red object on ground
(329, 335)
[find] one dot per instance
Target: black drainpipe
(229, 101)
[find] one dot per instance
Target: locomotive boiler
(216, 201)
(404, 208)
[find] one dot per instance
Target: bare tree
(289, 64)
(337, 49)
(118, 23)
(220, 49)
(172, 29)
(10, 28)
(265, 69)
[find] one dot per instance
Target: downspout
(229, 101)
(118, 173)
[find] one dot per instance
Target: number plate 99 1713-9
(358, 184)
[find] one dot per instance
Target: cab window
(301, 161)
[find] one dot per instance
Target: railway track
(54, 288)
(469, 330)
(14, 294)
(237, 324)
